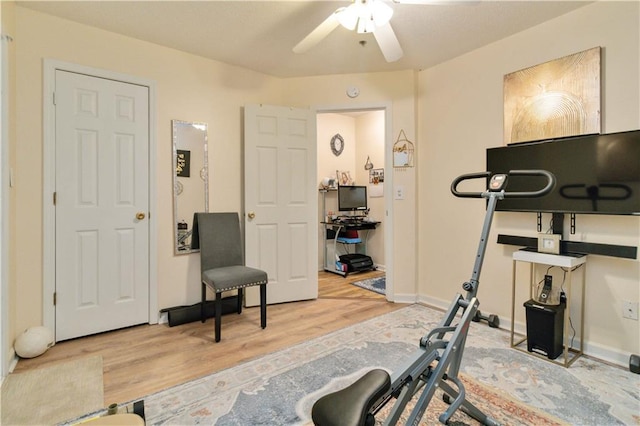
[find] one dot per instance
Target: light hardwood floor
(144, 359)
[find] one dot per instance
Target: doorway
(136, 272)
(364, 157)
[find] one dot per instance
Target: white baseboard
(405, 298)
(600, 352)
(163, 318)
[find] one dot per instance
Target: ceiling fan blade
(388, 43)
(319, 33)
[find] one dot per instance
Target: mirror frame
(203, 174)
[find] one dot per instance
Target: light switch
(399, 192)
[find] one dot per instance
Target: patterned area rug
(374, 284)
(513, 387)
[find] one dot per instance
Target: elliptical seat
(349, 406)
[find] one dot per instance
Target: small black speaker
(545, 326)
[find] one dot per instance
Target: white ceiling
(259, 35)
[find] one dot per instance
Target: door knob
(251, 215)
(139, 215)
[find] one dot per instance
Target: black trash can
(545, 326)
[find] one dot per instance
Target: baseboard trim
(405, 298)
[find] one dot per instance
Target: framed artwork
(376, 176)
(344, 177)
(376, 183)
(554, 99)
(183, 163)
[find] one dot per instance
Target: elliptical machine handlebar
(498, 183)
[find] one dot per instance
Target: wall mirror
(190, 179)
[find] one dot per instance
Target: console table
(563, 261)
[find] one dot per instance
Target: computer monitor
(352, 198)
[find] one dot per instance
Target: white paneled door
(102, 204)
(281, 199)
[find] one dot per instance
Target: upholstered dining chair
(222, 263)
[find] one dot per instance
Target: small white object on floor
(33, 342)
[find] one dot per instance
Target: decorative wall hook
(368, 165)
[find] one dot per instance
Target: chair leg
(203, 300)
(218, 315)
(240, 296)
(263, 305)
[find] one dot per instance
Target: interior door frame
(50, 67)
(388, 178)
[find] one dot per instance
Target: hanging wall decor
(344, 177)
(554, 99)
(368, 165)
(403, 151)
(337, 144)
(376, 183)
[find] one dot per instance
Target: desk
(568, 262)
(337, 227)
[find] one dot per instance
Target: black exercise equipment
(436, 362)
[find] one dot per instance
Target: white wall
(461, 110)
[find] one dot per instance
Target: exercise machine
(436, 362)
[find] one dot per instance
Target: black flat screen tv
(352, 198)
(596, 174)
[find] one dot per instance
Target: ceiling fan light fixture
(365, 15)
(348, 16)
(366, 26)
(381, 12)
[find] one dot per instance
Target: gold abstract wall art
(554, 99)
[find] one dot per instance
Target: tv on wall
(596, 174)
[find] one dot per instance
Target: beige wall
(328, 124)
(398, 90)
(370, 142)
(188, 87)
(7, 12)
(461, 115)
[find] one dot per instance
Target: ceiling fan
(365, 16)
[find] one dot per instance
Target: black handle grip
(468, 176)
(551, 183)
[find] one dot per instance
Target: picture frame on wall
(554, 99)
(344, 178)
(183, 163)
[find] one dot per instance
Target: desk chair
(222, 263)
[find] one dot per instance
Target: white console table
(563, 261)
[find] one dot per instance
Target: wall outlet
(630, 309)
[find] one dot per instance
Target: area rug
(53, 394)
(280, 388)
(374, 284)
(511, 386)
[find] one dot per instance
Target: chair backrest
(220, 240)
